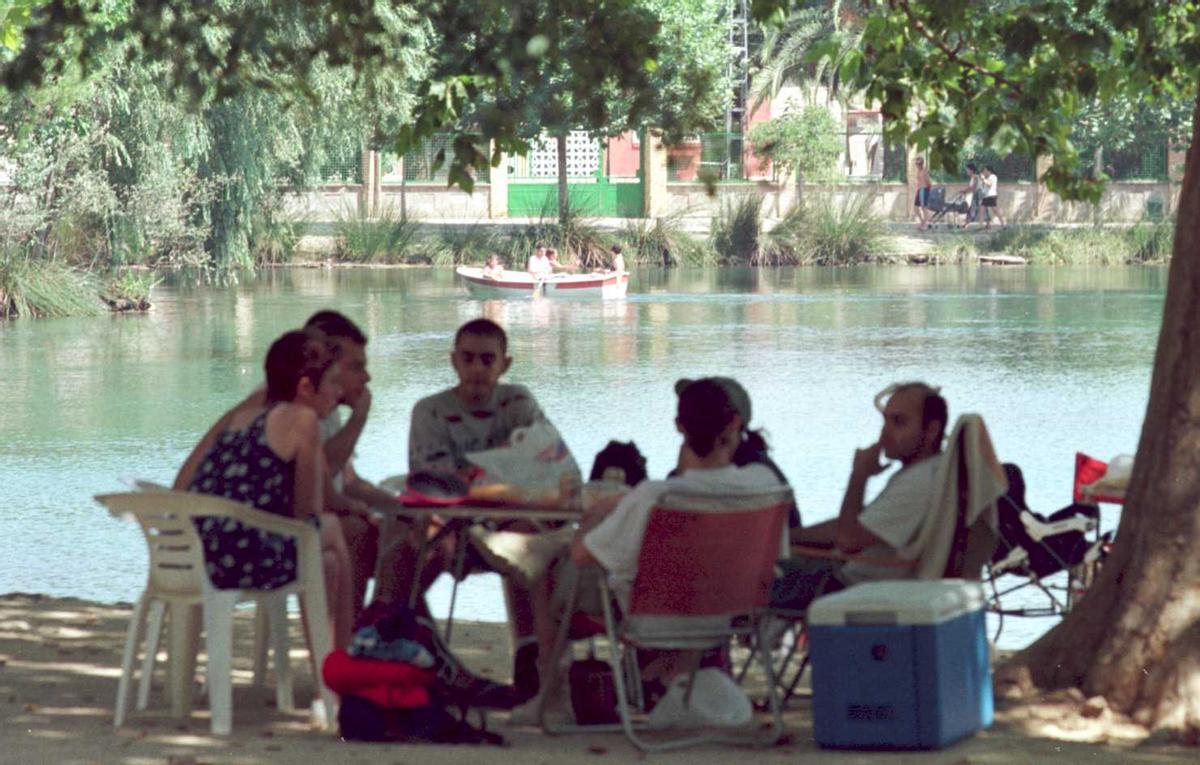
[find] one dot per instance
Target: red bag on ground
(389, 684)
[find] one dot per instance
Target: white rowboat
(519, 284)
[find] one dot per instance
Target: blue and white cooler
(900, 665)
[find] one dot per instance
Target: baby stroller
(959, 207)
(1034, 548)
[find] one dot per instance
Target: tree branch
(951, 53)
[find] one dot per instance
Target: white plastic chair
(178, 581)
(272, 610)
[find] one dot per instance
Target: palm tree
(786, 55)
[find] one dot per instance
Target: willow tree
(1019, 73)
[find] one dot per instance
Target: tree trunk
(1135, 637)
(560, 142)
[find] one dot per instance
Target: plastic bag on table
(535, 464)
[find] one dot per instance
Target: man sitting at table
(914, 421)
(477, 414)
(347, 495)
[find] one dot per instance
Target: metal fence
(343, 164)
(421, 163)
(1143, 161)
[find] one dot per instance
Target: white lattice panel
(583, 156)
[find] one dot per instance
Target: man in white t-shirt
(914, 422)
(539, 264)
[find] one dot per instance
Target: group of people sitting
(286, 449)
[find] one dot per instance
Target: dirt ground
(60, 659)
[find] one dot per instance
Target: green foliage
(647, 240)
(34, 287)
(787, 55)
(1152, 241)
(275, 232)
(736, 234)
(465, 244)
(488, 56)
(953, 248)
(1018, 74)
(807, 142)
(128, 289)
(1146, 242)
(382, 238)
(830, 231)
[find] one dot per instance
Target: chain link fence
(716, 156)
(421, 163)
(343, 164)
(1145, 160)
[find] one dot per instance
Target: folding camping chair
(1035, 549)
(704, 577)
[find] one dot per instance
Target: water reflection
(1055, 359)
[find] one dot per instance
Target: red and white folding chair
(704, 576)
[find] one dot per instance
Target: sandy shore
(60, 659)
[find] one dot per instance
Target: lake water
(1056, 360)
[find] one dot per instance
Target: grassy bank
(821, 233)
(1147, 242)
(36, 287)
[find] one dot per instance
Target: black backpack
(456, 687)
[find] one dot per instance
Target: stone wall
(1019, 202)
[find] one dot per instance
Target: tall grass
(32, 287)
(737, 231)
(839, 231)
(1152, 240)
(454, 245)
(363, 238)
(1145, 242)
(663, 241)
(275, 233)
(826, 231)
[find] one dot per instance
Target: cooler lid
(899, 602)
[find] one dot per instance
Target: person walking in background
(924, 184)
(990, 191)
(972, 194)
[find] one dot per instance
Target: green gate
(533, 182)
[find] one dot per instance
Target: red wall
(622, 157)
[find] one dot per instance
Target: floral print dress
(242, 467)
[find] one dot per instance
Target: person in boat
(269, 456)
(617, 263)
(493, 268)
(476, 414)
(539, 263)
(914, 422)
(555, 266)
(346, 494)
